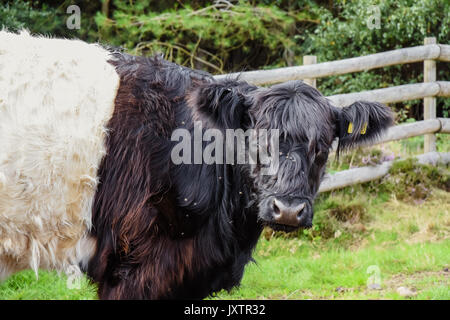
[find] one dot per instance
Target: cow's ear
(361, 123)
(221, 104)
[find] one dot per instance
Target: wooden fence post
(306, 61)
(429, 103)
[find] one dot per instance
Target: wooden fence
(429, 53)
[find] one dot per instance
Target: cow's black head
(304, 123)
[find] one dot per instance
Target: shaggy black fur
(186, 231)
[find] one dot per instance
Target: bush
(221, 37)
(18, 15)
(410, 181)
(47, 18)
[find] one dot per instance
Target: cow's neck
(221, 193)
(225, 232)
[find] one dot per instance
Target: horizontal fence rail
(409, 130)
(439, 52)
(444, 55)
(395, 94)
(365, 174)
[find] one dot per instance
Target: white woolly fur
(56, 97)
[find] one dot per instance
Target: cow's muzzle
(289, 214)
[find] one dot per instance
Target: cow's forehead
(299, 111)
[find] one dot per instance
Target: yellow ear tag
(363, 130)
(350, 128)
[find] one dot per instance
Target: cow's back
(56, 97)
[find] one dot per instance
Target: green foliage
(404, 23)
(336, 215)
(20, 14)
(410, 180)
(47, 18)
(219, 37)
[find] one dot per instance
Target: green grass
(48, 286)
(409, 244)
(314, 272)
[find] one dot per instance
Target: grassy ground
(398, 245)
(366, 243)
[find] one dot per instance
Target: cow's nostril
(299, 209)
(276, 210)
